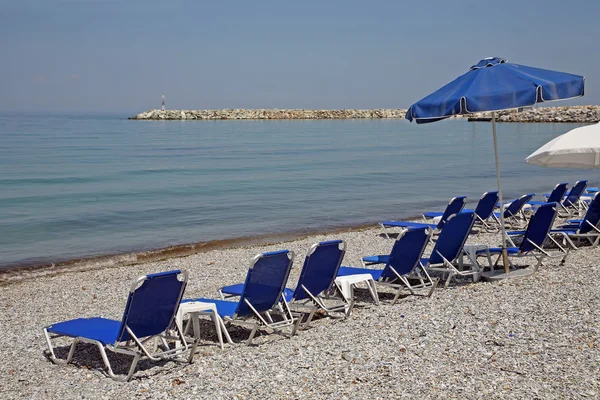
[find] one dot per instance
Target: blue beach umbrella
(492, 85)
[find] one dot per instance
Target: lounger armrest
(378, 259)
(232, 290)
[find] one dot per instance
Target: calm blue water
(78, 186)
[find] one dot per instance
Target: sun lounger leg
(433, 286)
(295, 326)
(50, 348)
(254, 328)
(109, 370)
(450, 276)
(268, 315)
(72, 351)
(539, 263)
(384, 231)
(309, 318)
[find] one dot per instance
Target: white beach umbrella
(578, 148)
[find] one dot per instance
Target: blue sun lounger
(316, 279)
(485, 209)
(513, 212)
(572, 202)
(533, 238)
(149, 314)
(556, 196)
(585, 229)
(402, 265)
(455, 206)
(261, 295)
(448, 251)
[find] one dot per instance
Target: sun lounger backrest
(407, 252)
(575, 193)
(320, 268)
(452, 238)
(558, 193)
(266, 279)
(485, 206)
(454, 207)
(515, 207)
(592, 216)
(538, 227)
(152, 306)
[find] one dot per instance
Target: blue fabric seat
(380, 259)
(496, 250)
(238, 288)
(224, 308)
(316, 279)
(401, 265)
(260, 295)
(103, 330)
(150, 313)
(455, 205)
(346, 271)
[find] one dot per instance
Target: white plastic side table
(194, 309)
(471, 252)
(346, 286)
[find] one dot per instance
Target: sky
(122, 55)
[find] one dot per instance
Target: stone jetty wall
(581, 114)
(269, 114)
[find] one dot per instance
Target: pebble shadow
(87, 356)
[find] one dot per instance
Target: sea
(76, 186)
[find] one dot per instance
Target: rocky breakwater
(268, 114)
(578, 114)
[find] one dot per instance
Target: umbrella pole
(502, 230)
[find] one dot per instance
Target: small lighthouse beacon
(162, 108)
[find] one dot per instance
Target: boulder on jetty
(269, 114)
(580, 114)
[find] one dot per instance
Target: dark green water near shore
(79, 186)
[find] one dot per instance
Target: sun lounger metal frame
(141, 347)
(402, 265)
(572, 202)
(556, 196)
(449, 247)
(537, 232)
(247, 312)
(585, 229)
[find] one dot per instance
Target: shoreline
(10, 274)
(565, 114)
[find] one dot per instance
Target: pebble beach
(536, 337)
